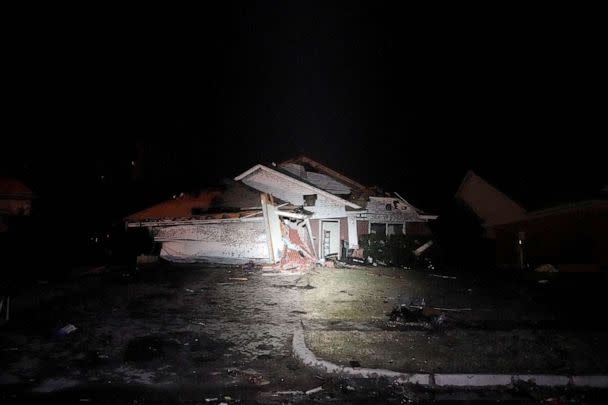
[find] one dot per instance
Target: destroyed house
(298, 211)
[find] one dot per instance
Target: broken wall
(390, 210)
(228, 242)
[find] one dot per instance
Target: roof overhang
(185, 221)
(557, 210)
(316, 190)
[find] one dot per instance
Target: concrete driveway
(217, 330)
(191, 334)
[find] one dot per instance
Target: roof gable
(13, 187)
(291, 178)
(180, 207)
(323, 169)
(486, 201)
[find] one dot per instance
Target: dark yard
(191, 334)
(304, 202)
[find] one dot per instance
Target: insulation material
(274, 227)
(297, 254)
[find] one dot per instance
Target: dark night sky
(386, 95)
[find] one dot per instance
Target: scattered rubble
(66, 330)
(421, 316)
(296, 255)
(249, 266)
(314, 390)
(290, 392)
(442, 276)
(546, 268)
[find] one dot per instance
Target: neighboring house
(571, 237)
(15, 200)
(269, 212)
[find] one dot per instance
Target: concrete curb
(308, 358)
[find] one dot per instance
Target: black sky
(390, 96)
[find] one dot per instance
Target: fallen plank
(290, 392)
(441, 309)
(453, 309)
(314, 390)
(442, 276)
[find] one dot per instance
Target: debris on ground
(429, 264)
(442, 276)
(254, 377)
(422, 248)
(428, 311)
(66, 330)
(453, 309)
(249, 266)
(420, 316)
(290, 392)
(329, 264)
(544, 281)
(403, 313)
(238, 278)
(344, 265)
(356, 255)
(314, 390)
(439, 320)
(546, 268)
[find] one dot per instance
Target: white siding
(398, 213)
(294, 193)
(352, 232)
(221, 243)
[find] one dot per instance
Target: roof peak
(324, 169)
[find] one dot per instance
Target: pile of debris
(417, 315)
(296, 254)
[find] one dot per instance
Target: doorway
(330, 238)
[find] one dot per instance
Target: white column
(352, 232)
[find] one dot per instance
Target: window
(395, 229)
(378, 228)
(309, 200)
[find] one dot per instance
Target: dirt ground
(192, 334)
